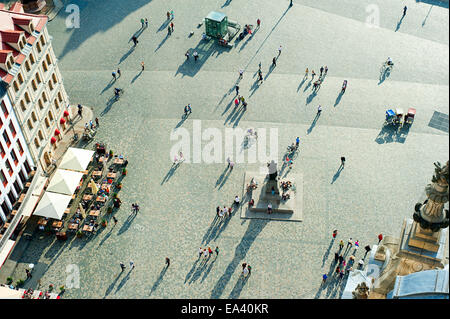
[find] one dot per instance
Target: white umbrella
(76, 159)
(52, 205)
(64, 182)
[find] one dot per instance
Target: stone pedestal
(424, 238)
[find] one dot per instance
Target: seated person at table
(269, 208)
(285, 196)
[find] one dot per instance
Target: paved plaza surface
(382, 180)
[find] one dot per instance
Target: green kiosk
(216, 25)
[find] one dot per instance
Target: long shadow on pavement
(127, 223)
(327, 253)
(313, 124)
(235, 293)
(158, 280)
(254, 228)
(111, 286)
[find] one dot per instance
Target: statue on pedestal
(430, 214)
(273, 171)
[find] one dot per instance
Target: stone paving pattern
(381, 182)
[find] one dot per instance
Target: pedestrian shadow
(199, 270)
(189, 274)
(311, 97)
(127, 223)
(158, 280)
(236, 292)
(162, 42)
(338, 99)
(181, 122)
(238, 119)
(111, 286)
(124, 280)
(327, 253)
(138, 33)
(254, 87)
(224, 179)
(383, 76)
(227, 107)
(226, 3)
(255, 227)
(232, 114)
(108, 86)
(207, 271)
(136, 76)
(399, 24)
(301, 83)
(109, 104)
(313, 124)
(387, 134)
(336, 175)
(210, 233)
(127, 54)
(271, 68)
(426, 17)
(163, 26)
(170, 172)
(106, 237)
(221, 177)
(307, 86)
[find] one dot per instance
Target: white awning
(52, 205)
(64, 182)
(32, 201)
(76, 159)
(6, 251)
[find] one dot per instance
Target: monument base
(289, 210)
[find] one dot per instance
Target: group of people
(206, 253)
(134, 208)
(223, 212)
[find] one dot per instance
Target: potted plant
(50, 288)
(9, 280)
(79, 234)
(124, 171)
(104, 222)
(109, 210)
(114, 195)
(62, 289)
(111, 153)
(20, 282)
(119, 185)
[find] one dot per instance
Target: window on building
(47, 123)
(44, 97)
(27, 166)
(44, 66)
(22, 177)
(33, 84)
(8, 167)
(41, 136)
(17, 187)
(33, 116)
(6, 138)
(41, 105)
(19, 146)
(12, 197)
(50, 116)
(50, 85)
(1, 123)
(27, 66)
(38, 78)
(2, 150)
(38, 47)
(3, 178)
(12, 129)
(20, 46)
(42, 40)
(27, 98)
(32, 59)
(14, 157)
(5, 109)
(36, 143)
(48, 59)
(60, 96)
(16, 86)
(30, 126)
(6, 211)
(20, 78)
(8, 65)
(23, 106)
(56, 104)
(54, 78)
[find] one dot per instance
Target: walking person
(319, 110)
(118, 72)
(217, 251)
(135, 40)
(312, 74)
(324, 278)
(340, 259)
(142, 65)
(187, 110)
(343, 163)
(115, 220)
(205, 253)
(167, 262)
(341, 245)
(241, 74)
(335, 233)
(306, 73)
(237, 89)
(96, 122)
(114, 75)
(168, 15)
(195, 54)
(258, 23)
(169, 30)
(274, 61)
(279, 50)
(122, 266)
(28, 274)
(131, 264)
(321, 71)
(260, 77)
(80, 110)
(349, 244)
(210, 252)
(236, 102)
(142, 23)
(259, 65)
(171, 26)
(326, 70)
(336, 257)
(146, 22)
(404, 11)
(200, 252)
(187, 55)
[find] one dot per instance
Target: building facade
(16, 163)
(28, 68)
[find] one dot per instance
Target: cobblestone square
(382, 180)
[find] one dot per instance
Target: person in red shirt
(380, 237)
(258, 23)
